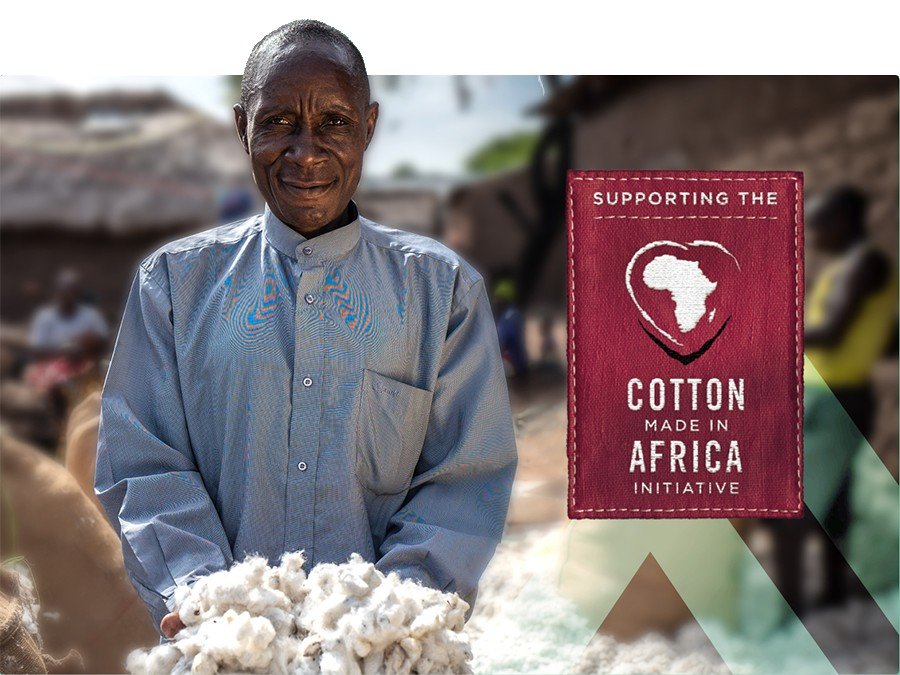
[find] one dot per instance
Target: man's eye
(279, 120)
(337, 121)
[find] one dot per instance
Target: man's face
(825, 234)
(306, 129)
(829, 230)
(68, 294)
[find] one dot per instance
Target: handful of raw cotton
(347, 618)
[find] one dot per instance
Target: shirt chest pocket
(390, 430)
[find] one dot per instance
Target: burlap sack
(81, 444)
(20, 648)
(87, 601)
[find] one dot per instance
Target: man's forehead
(311, 56)
(310, 59)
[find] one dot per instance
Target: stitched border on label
(797, 338)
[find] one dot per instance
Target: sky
(409, 112)
(410, 116)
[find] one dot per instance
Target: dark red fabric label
(685, 344)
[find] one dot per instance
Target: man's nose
(304, 147)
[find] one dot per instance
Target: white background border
(459, 36)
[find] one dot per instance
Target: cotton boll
(389, 614)
(322, 617)
(258, 599)
(282, 620)
(231, 589)
(395, 660)
(253, 569)
(323, 579)
(461, 660)
(189, 605)
(372, 664)
(337, 661)
(431, 619)
(311, 646)
(285, 651)
(183, 667)
(305, 666)
(411, 603)
(357, 630)
(162, 659)
(245, 640)
(412, 647)
(456, 616)
(191, 641)
(204, 664)
(354, 584)
(436, 655)
(292, 563)
(358, 577)
(292, 576)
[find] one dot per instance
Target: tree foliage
(404, 170)
(503, 153)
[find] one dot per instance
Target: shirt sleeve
(449, 526)
(146, 477)
(96, 323)
(40, 336)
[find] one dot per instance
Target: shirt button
(310, 298)
(307, 381)
(302, 466)
(307, 250)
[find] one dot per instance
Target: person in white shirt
(68, 327)
(67, 338)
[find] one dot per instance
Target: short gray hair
(298, 32)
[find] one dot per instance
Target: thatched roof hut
(120, 163)
(95, 182)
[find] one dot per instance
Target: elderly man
(306, 378)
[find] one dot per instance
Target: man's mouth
(308, 188)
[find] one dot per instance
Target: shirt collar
(328, 246)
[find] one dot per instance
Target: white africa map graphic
(685, 281)
(687, 285)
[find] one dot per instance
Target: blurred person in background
(851, 313)
(510, 328)
(551, 359)
(850, 323)
(66, 340)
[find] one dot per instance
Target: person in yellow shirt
(850, 323)
(851, 313)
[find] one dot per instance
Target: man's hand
(171, 624)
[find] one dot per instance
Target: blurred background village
(92, 180)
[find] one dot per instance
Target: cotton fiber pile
(347, 618)
(522, 624)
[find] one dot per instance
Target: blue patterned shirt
(337, 394)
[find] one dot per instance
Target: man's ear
(371, 119)
(240, 123)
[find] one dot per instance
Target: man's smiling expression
(306, 127)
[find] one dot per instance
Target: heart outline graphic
(670, 351)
